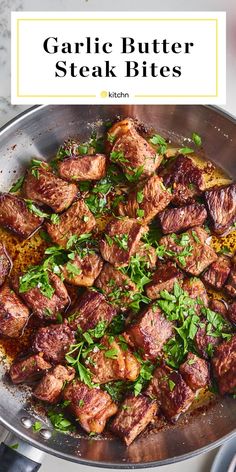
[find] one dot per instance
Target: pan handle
(18, 456)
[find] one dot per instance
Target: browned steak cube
(163, 279)
(116, 286)
(91, 309)
(13, 313)
(224, 366)
(133, 417)
(147, 254)
(147, 200)
(131, 151)
(221, 206)
(219, 306)
(50, 387)
(173, 220)
(15, 216)
(190, 251)
(195, 371)
(112, 362)
(5, 264)
(196, 290)
(218, 272)
(232, 313)
(45, 187)
(230, 286)
(205, 343)
(83, 269)
(28, 369)
(150, 331)
(121, 241)
(185, 179)
(40, 305)
(54, 342)
(91, 406)
(171, 391)
(83, 167)
(75, 221)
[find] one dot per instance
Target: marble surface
(203, 462)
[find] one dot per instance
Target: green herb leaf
(197, 139)
(37, 426)
(34, 209)
(17, 185)
(185, 150)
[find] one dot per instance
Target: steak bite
(148, 199)
(41, 306)
(13, 313)
(189, 249)
(174, 220)
(92, 308)
(83, 269)
(150, 331)
(218, 272)
(48, 189)
(77, 168)
(147, 254)
(171, 392)
(195, 371)
(185, 179)
(163, 279)
(77, 220)
(205, 343)
(116, 286)
(224, 366)
(50, 387)
(221, 206)
(91, 406)
(196, 290)
(230, 286)
(134, 415)
(219, 306)
(15, 216)
(5, 264)
(54, 342)
(112, 362)
(131, 151)
(28, 369)
(121, 241)
(232, 313)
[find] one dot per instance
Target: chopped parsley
(37, 426)
(17, 185)
(197, 139)
(159, 141)
(185, 150)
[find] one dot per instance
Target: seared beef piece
(42, 306)
(147, 254)
(117, 287)
(13, 313)
(75, 221)
(218, 272)
(49, 189)
(193, 242)
(83, 270)
(15, 216)
(91, 309)
(224, 366)
(171, 391)
(50, 387)
(54, 341)
(163, 279)
(28, 369)
(204, 342)
(131, 151)
(121, 241)
(230, 286)
(195, 372)
(232, 313)
(83, 167)
(173, 220)
(112, 362)
(196, 290)
(133, 416)
(219, 306)
(5, 264)
(185, 179)
(150, 331)
(91, 406)
(221, 206)
(148, 199)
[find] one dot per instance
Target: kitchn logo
(107, 94)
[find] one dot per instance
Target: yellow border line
(112, 19)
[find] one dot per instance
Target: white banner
(121, 57)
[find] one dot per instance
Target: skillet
(38, 132)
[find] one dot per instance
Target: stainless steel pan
(39, 132)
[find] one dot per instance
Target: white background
(197, 84)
